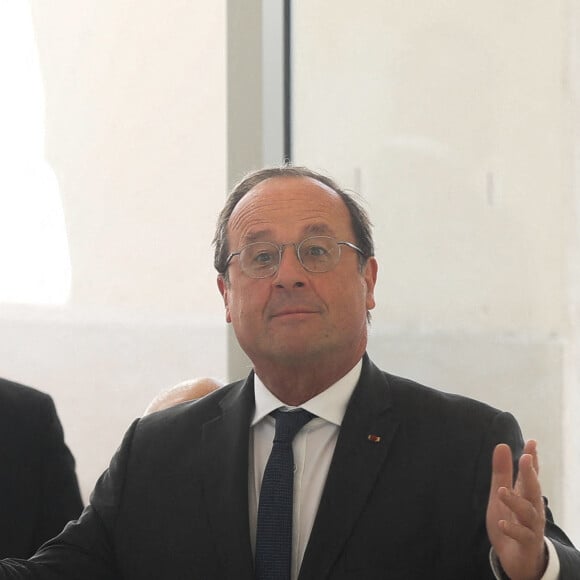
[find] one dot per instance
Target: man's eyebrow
(266, 235)
(257, 236)
(318, 229)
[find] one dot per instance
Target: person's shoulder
(191, 412)
(27, 414)
(182, 425)
(454, 421)
(409, 395)
(16, 395)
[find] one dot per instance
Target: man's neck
(297, 383)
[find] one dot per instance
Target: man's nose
(290, 271)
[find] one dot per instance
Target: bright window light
(34, 254)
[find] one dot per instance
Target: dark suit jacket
(174, 502)
(39, 493)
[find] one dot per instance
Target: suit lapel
(363, 444)
(225, 441)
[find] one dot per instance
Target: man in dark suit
(390, 479)
(39, 493)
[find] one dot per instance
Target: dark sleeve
(84, 550)
(59, 496)
(506, 430)
(500, 427)
(568, 555)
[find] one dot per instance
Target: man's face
(295, 315)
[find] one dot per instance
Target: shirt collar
(329, 405)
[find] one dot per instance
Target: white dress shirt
(313, 449)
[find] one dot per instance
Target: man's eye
(316, 251)
(263, 258)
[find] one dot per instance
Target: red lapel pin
(374, 438)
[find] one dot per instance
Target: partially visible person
(39, 492)
(182, 392)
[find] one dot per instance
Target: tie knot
(288, 423)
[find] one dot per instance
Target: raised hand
(515, 514)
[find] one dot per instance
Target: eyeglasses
(316, 254)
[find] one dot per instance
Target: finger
(528, 483)
(531, 448)
(523, 511)
(502, 468)
(518, 532)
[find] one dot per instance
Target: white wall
(451, 119)
(136, 134)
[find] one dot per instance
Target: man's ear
(370, 276)
(223, 288)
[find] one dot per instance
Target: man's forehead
(301, 202)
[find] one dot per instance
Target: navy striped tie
(274, 530)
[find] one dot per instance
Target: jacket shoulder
(25, 409)
(190, 415)
(16, 394)
(416, 404)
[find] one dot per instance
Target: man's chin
(299, 349)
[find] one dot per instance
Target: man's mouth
(293, 312)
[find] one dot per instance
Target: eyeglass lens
(316, 254)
